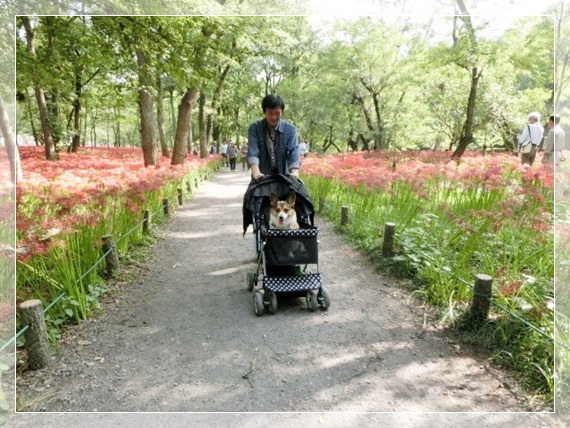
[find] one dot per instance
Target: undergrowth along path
(184, 338)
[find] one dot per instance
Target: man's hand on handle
(256, 174)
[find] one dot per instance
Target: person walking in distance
(530, 138)
(232, 154)
(243, 153)
(554, 142)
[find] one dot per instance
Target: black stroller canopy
(281, 185)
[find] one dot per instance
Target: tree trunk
(236, 122)
(75, 142)
(79, 84)
(160, 118)
(183, 126)
(148, 132)
(467, 135)
(40, 95)
(380, 140)
(364, 142)
(84, 139)
(117, 128)
(31, 116)
(204, 152)
(211, 119)
(172, 115)
(49, 144)
(53, 99)
(562, 58)
(378, 130)
(369, 124)
(11, 147)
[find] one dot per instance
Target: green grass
(74, 264)
(459, 231)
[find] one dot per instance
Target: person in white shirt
(531, 134)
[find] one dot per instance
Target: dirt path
(183, 337)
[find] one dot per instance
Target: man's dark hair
(555, 118)
(271, 101)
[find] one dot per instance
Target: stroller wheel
(324, 298)
(272, 302)
(258, 304)
(250, 281)
(311, 299)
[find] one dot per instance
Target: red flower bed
(379, 170)
(74, 190)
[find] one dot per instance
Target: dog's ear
(273, 200)
(291, 198)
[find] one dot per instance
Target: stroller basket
(292, 246)
(281, 284)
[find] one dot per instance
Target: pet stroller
(285, 257)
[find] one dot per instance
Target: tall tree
(562, 46)
(148, 129)
(11, 147)
(160, 116)
(183, 125)
(475, 70)
(85, 58)
(48, 140)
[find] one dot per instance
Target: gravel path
(184, 338)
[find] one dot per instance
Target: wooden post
(166, 207)
(321, 204)
(111, 257)
(180, 196)
(481, 298)
(343, 215)
(196, 181)
(388, 245)
(146, 222)
(36, 337)
(189, 186)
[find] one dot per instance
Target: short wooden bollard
(180, 196)
(344, 216)
(189, 186)
(388, 244)
(111, 257)
(36, 336)
(481, 298)
(196, 181)
(321, 204)
(146, 222)
(166, 207)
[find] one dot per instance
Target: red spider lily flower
(77, 190)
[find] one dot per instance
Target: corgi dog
(282, 214)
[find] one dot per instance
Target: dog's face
(282, 213)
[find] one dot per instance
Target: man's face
(550, 123)
(273, 115)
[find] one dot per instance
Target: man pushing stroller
(273, 147)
